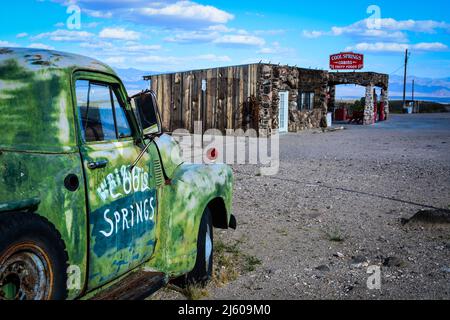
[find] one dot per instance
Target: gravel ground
(337, 206)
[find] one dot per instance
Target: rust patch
(137, 286)
(28, 267)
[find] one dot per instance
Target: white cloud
(387, 28)
(114, 60)
(119, 34)
(97, 45)
(193, 37)
(65, 35)
(267, 51)
(398, 47)
(220, 28)
(427, 26)
(240, 40)
(181, 61)
(275, 49)
(141, 47)
(123, 49)
(91, 25)
(8, 44)
(255, 14)
(187, 10)
(214, 58)
(22, 35)
(430, 46)
(313, 34)
(271, 32)
(218, 34)
(99, 13)
(40, 46)
(167, 13)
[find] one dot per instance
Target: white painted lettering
(111, 224)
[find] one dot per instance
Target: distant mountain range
(425, 88)
(133, 79)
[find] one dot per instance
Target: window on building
(305, 101)
(102, 116)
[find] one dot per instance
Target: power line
(397, 70)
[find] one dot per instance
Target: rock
(359, 262)
(392, 262)
(349, 288)
(323, 268)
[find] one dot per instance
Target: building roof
(149, 77)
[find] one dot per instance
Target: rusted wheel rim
(25, 273)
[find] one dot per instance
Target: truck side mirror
(146, 111)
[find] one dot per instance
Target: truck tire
(203, 270)
(33, 259)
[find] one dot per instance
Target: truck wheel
(202, 272)
(33, 260)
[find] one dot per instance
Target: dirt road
(340, 206)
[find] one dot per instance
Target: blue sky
(158, 35)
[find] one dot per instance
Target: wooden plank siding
(179, 97)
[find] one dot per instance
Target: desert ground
(343, 203)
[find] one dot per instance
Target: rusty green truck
(95, 201)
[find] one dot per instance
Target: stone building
(264, 97)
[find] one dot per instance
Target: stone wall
(370, 80)
(360, 78)
(274, 79)
(311, 81)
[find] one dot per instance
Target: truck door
(122, 204)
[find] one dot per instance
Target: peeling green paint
(193, 187)
(170, 154)
(40, 146)
(45, 184)
(37, 91)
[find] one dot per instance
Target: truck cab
(92, 191)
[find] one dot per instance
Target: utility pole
(404, 78)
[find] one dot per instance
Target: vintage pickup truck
(95, 201)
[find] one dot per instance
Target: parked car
(95, 201)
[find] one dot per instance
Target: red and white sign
(347, 61)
